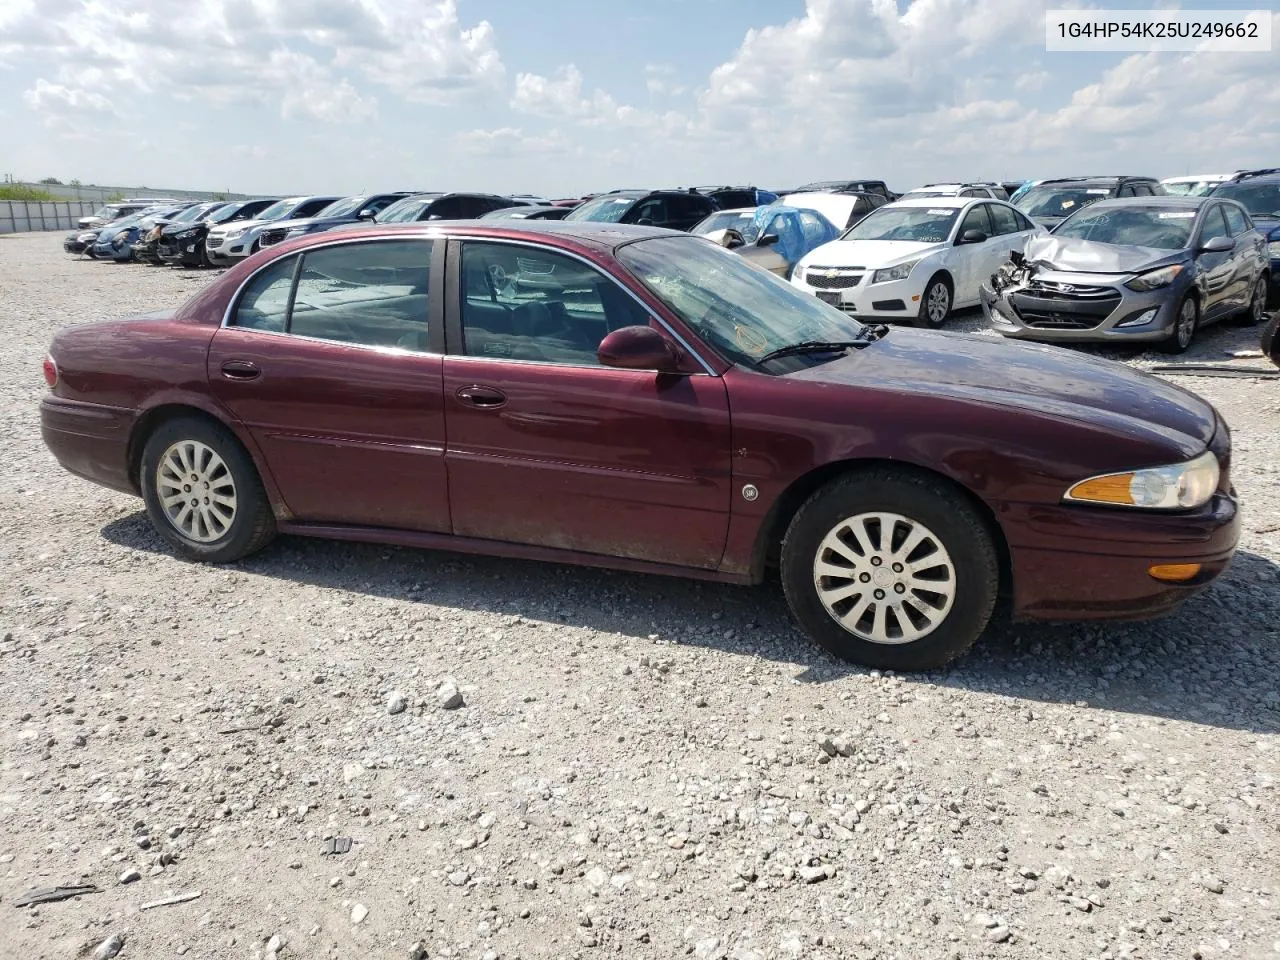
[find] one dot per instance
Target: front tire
(1185, 324)
(890, 569)
(1270, 342)
(203, 493)
(936, 304)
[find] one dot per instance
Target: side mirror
(732, 239)
(644, 222)
(768, 240)
(972, 236)
(366, 215)
(637, 348)
(1218, 245)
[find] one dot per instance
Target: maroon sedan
(644, 400)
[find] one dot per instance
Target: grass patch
(25, 193)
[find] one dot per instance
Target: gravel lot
(642, 766)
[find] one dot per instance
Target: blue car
(116, 240)
(1258, 191)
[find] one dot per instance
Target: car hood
(868, 253)
(309, 222)
(1039, 379)
(1089, 256)
(247, 224)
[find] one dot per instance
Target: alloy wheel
(939, 303)
(1186, 326)
(1258, 307)
(884, 578)
(196, 491)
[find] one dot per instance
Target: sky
(565, 97)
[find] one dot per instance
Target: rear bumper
(1098, 568)
(90, 440)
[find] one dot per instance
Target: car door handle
(240, 370)
(477, 395)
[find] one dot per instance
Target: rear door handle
(477, 395)
(240, 370)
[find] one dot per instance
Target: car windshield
(224, 214)
(603, 209)
(918, 194)
(741, 310)
(107, 213)
(126, 222)
(725, 220)
(191, 213)
(1049, 200)
(919, 224)
(1260, 199)
(404, 211)
(1162, 228)
(277, 209)
(342, 208)
(1190, 188)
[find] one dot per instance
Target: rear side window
(1235, 219)
(370, 294)
(264, 305)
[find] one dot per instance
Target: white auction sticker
(1190, 31)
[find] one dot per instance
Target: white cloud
(243, 50)
(55, 102)
(1032, 81)
(509, 142)
(560, 96)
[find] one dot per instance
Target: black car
(1051, 201)
(146, 249)
(847, 186)
(672, 209)
(528, 213)
(442, 206)
(737, 198)
(183, 243)
(1258, 191)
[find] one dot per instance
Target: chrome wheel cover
(1259, 305)
(884, 578)
(938, 303)
(196, 490)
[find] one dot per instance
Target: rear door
(1244, 257)
(332, 362)
(550, 448)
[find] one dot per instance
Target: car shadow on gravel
(1215, 662)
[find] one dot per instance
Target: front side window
(522, 303)
(1235, 219)
(1214, 225)
(1003, 219)
(371, 294)
(653, 210)
(977, 219)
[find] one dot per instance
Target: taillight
(50, 372)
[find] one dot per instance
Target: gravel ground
(543, 761)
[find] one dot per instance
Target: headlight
(235, 232)
(1273, 249)
(900, 272)
(1179, 486)
(185, 234)
(1155, 279)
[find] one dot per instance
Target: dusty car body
(640, 399)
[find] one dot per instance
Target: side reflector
(1174, 572)
(50, 372)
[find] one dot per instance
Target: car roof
(596, 235)
(1198, 178)
(940, 201)
(1171, 202)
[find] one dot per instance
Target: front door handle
(240, 370)
(477, 395)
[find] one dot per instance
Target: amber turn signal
(1174, 572)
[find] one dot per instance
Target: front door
(548, 447)
(331, 363)
(1218, 269)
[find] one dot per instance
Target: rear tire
(1256, 311)
(1270, 342)
(890, 569)
(1185, 324)
(937, 303)
(227, 516)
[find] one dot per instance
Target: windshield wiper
(869, 335)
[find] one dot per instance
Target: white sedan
(915, 259)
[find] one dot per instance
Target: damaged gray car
(1142, 270)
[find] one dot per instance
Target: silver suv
(230, 242)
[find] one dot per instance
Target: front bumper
(73, 245)
(1024, 312)
(894, 300)
(1091, 563)
(224, 252)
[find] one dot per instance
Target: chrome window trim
(346, 344)
(596, 267)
